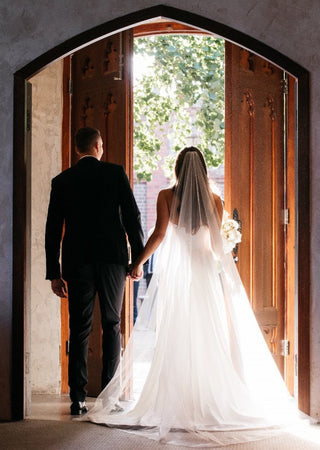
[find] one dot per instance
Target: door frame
(21, 181)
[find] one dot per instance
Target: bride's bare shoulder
(168, 192)
(165, 195)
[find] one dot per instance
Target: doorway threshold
(53, 407)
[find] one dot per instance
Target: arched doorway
(22, 182)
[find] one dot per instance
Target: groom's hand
(136, 272)
(59, 287)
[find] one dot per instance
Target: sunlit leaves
(179, 99)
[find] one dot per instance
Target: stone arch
(20, 179)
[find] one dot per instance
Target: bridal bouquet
(230, 232)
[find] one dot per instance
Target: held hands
(59, 287)
(136, 272)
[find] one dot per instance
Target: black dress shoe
(78, 408)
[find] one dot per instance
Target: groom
(92, 211)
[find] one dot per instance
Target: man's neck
(88, 156)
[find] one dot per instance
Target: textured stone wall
(27, 30)
(46, 163)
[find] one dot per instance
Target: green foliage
(179, 98)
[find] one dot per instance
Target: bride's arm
(156, 237)
(219, 206)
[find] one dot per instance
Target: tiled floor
(52, 407)
(57, 408)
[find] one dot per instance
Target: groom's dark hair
(86, 137)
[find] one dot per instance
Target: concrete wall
(46, 163)
(27, 30)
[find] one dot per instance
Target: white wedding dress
(197, 370)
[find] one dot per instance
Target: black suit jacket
(94, 201)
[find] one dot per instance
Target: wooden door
(102, 98)
(255, 184)
(102, 95)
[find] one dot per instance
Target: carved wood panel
(255, 184)
(102, 98)
(102, 95)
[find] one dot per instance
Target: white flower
(230, 232)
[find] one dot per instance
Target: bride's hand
(136, 272)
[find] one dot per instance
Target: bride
(196, 370)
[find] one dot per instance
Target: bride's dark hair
(187, 181)
(181, 156)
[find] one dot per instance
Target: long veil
(196, 370)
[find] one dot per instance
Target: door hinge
(70, 86)
(285, 86)
(285, 347)
(67, 347)
(286, 216)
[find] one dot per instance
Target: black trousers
(108, 281)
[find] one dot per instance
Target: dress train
(196, 370)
